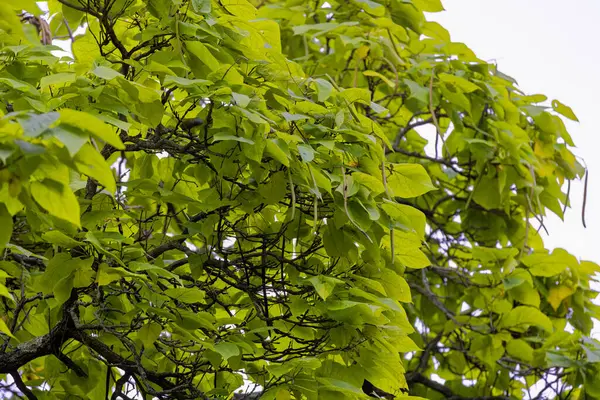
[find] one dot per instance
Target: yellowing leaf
(362, 52)
(558, 294)
(283, 394)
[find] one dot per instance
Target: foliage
(327, 200)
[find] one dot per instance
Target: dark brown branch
(444, 390)
(71, 364)
(22, 387)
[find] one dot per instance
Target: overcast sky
(549, 47)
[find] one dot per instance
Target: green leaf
(436, 31)
(411, 257)
(227, 350)
(58, 79)
(404, 397)
(6, 226)
(62, 289)
(186, 295)
(371, 7)
(91, 238)
(149, 333)
(307, 153)
(520, 349)
(408, 180)
(201, 6)
(429, 5)
(340, 386)
(525, 316)
(370, 182)
(564, 110)
(279, 151)
(89, 123)
(224, 136)
(9, 22)
(85, 48)
(352, 95)
(106, 73)
(57, 199)
(201, 52)
(73, 138)
(20, 86)
(417, 91)
(36, 124)
(294, 117)
(460, 83)
(324, 285)
(241, 100)
(184, 82)
(5, 293)
(547, 265)
(4, 328)
(407, 216)
(89, 162)
(324, 89)
(60, 239)
(558, 294)
(239, 8)
(396, 286)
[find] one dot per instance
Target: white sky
(549, 47)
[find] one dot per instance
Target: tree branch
(448, 394)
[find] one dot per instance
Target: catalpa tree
(274, 199)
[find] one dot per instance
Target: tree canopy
(290, 199)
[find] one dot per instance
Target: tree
(311, 199)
